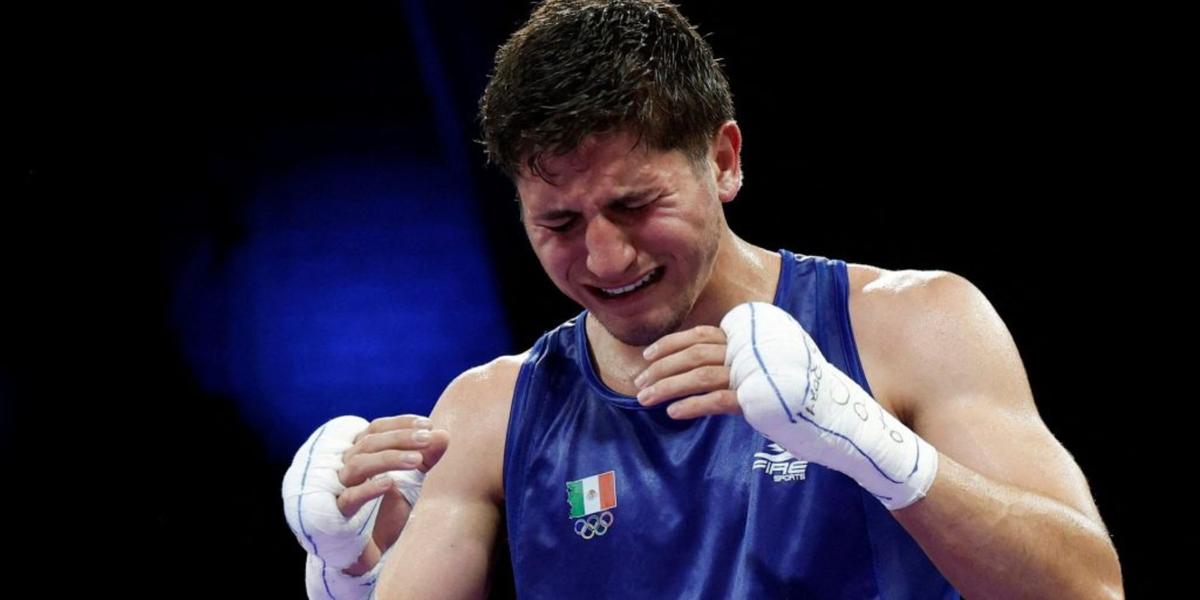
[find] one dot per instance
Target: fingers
(688, 367)
(403, 439)
(681, 361)
(429, 447)
(701, 380)
(364, 466)
(672, 343)
(351, 500)
(682, 364)
(375, 454)
(361, 473)
(438, 442)
(393, 423)
(713, 403)
(387, 444)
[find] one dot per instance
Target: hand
(767, 368)
(389, 445)
(688, 367)
(329, 504)
(799, 400)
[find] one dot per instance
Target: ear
(726, 158)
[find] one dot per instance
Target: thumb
(432, 453)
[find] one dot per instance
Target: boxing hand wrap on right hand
(797, 399)
(310, 490)
(333, 541)
(324, 583)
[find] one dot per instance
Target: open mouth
(628, 290)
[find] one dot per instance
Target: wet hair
(582, 67)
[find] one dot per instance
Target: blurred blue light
(359, 289)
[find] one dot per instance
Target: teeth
(629, 288)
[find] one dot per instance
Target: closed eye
(636, 206)
(561, 227)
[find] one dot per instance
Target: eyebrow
(559, 213)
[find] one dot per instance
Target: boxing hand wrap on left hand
(797, 399)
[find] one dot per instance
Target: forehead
(601, 166)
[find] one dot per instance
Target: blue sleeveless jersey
(605, 498)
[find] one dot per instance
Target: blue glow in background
(361, 287)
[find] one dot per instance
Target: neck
(741, 273)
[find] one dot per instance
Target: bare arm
(1010, 514)
(446, 544)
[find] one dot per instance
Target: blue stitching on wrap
(779, 396)
(374, 508)
(300, 511)
(754, 346)
(304, 480)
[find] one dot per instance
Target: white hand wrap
(324, 583)
(409, 483)
(334, 542)
(794, 397)
(311, 487)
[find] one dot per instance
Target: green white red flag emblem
(592, 494)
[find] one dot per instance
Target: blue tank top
(605, 498)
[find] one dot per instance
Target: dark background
(160, 153)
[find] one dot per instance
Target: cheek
(556, 258)
(679, 233)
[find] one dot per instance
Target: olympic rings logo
(593, 525)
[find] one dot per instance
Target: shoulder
(877, 284)
(909, 324)
(474, 410)
(483, 390)
(500, 371)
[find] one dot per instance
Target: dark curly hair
(579, 67)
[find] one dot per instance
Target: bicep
(970, 398)
(446, 546)
(1009, 445)
(444, 550)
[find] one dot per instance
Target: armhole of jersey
(783, 287)
(842, 275)
(841, 304)
(514, 453)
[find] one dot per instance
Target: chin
(641, 333)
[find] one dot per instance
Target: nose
(609, 252)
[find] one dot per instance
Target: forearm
(992, 540)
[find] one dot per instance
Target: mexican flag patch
(592, 494)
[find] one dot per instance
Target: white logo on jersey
(781, 465)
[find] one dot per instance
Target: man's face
(630, 234)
